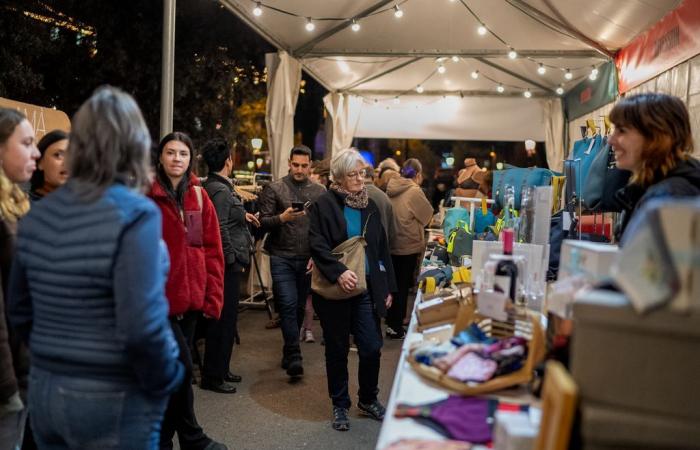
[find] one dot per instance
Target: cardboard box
(436, 311)
(590, 259)
(648, 363)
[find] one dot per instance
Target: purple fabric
(464, 418)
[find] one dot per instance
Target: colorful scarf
(358, 200)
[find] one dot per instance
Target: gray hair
(345, 162)
(109, 141)
(389, 163)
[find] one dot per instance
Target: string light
(310, 25)
(594, 71)
(560, 90)
(482, 30)
(475, 74)
(397, 100)
(568, 75)
(527, 93)
(512, 54)
(592, 77)
(541, 69)
(355, 26)
(398, 12)
(419, 89)
(441, 69)
(500, 88)
(257, 11)
(455, 59)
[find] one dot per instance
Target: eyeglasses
(359, 174)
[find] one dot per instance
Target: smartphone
(298, 206)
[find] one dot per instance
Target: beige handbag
(350, 253)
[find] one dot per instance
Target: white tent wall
(344, 111)
(554, 133)
(454, 118)
(283, 91)
(683, 81)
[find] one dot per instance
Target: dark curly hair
(50, 138)
(215, 153)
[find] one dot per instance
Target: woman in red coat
(195, 282)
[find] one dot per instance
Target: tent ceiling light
(355, 26)
(441, 69)
(594, 71)
(455, 59)
(527, 93)
(419, 89)
(397, 100)
(482, 30)
(475, 74)
(257, 11)
(310, 25)
(560, 90)
(398, 12)
(500, 88)
(541, 69)
(568, 75)
(512, 54)
(592, 77)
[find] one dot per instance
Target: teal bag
(519, 178)
(452, 217)
(482, 222)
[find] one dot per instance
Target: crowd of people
(122, 257)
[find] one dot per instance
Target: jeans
(405, 270)
(340, 318)
(12, 423)
(82, 413)
(290, 286)
(179, 416)
(221, 333)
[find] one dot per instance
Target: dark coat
(235, 236)
(8, 379)
(196, 279)
(682, 181)
(86, 289)
(328, 229)
(286, 239)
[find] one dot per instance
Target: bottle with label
(506, 275)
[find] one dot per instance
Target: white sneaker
(308, 336)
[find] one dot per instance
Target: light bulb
(541, 69)
(512, 54)
(592, 77)
(482, 30)
(475, 74)
(310, 25)
(398, 12)
(500, 88)
(397, 100)
(594, 71)
(527, 93)
(419, 89)
(455, 59)
(441, 69)
(355, 26)
(568, 75)
(560, 90)
(257, 11)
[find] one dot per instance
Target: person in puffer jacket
(86, 291)
(195, 287)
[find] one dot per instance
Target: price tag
(492, 304)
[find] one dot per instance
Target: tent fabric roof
(391, 56)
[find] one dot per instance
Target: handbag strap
(364, 229)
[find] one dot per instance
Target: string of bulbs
(482, 30)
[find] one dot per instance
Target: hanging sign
(42, 119)
(590, 95)
(673, 40)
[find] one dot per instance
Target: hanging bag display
(460, 242)
(452, 217)
(519, 178)
(583, 155)
(350, 253)
(603, 181)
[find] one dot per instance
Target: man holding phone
(283, 216)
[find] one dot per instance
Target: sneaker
(340, 419)
(308, 336)
(395, 335)
(374, 410)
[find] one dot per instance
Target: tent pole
(168, 68)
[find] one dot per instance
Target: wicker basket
(466, 316)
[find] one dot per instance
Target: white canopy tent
(391, 63)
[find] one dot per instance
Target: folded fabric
(472, 335)
(444, 363)
(474, 368)
(428, 355)
(425, 444)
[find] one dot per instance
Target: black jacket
(291, 238)
(328, 229)
(235, 236)
(682, 181)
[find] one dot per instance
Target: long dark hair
(50, 138)
(176, 192)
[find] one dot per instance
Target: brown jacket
(412, 212)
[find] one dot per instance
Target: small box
(590, 259)
(514, 431)
(439, 333)
(437, 311)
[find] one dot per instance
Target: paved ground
(269, 412)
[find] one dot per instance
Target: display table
(409, 387)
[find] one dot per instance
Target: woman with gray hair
(343, 212)
(87, 291)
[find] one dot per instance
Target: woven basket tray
(524, 375)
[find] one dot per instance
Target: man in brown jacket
(412, 212)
